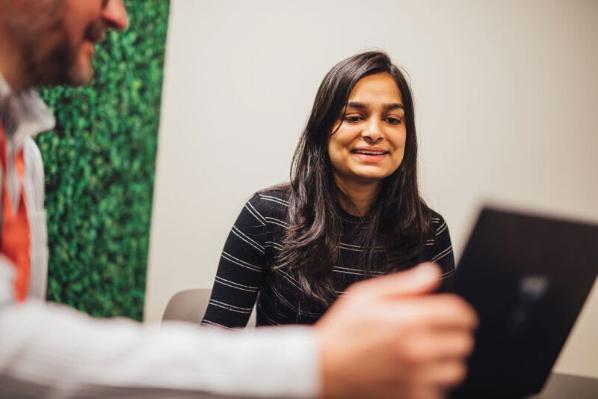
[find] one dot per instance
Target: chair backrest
(190, 305)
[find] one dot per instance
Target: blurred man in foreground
(384, 338)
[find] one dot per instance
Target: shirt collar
(31, 115)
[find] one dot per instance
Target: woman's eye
(393, 120)
(352, 118)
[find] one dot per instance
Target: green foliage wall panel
(99, 166)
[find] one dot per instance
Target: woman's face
(368, 139)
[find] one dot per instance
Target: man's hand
(384, 338)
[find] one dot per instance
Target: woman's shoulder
(281, 192)
(271, 201)
(437, 222)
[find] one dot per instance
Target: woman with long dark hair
(351, 211)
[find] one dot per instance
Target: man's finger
(439, 311)
(445, 374)
(429, 346)
(419, 280)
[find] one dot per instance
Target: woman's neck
(358, 196)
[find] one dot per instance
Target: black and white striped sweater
(245, 272)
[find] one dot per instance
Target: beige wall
(506, 109)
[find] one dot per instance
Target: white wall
(506, 107)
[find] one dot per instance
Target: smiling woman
(351, 211)
(368, 140)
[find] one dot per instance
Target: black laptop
(528, 277)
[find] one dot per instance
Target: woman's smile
(370, 155)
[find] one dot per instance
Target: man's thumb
(419, 280)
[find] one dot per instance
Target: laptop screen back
(527, 277)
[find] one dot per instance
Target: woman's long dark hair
(398, 221)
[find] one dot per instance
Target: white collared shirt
(29, 116)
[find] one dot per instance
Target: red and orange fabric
(15, 238)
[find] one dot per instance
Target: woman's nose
(372, 132)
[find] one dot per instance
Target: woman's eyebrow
(358, 105)
(387, 107)
(390, 107)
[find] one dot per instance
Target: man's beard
(40, 38)
(50, 67)
(48, 57)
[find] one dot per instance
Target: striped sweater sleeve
(441, 252)
(240, 271)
